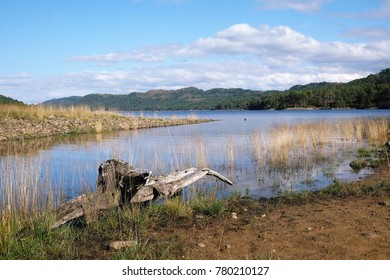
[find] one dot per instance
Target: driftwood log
(119, 184)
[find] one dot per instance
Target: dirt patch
(353, 227)
(334, 229)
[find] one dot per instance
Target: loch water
(226, 145)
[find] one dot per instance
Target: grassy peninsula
(18, 121)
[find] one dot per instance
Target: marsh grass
(24, 189)
(376, 131)
(309, 143)
(258, 148)
(201, 159)
(231, 151)
(376, 188)
(41, 112)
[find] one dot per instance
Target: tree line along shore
(372, 91)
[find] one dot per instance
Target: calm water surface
(226, 145)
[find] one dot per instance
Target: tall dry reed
(300, 144)
(201, 159)
(377, 131)
(231, 151)
(25, 189)
(40, 111)
(259, 150)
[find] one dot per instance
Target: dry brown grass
(377, 131)
(25, 190)
(201, 159)
(41, 112)
(231, 151)
(307, 142)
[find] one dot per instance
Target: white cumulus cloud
(265, 43)
(262, 58)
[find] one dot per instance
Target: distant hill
(190, 98)
(370, 92)
(8, 100)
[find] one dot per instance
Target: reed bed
(376, 131)
(40, 111)
(259, 150)
(26, 190)
(287, 146)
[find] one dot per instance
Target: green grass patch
(171, 208)
(37, 241)
(358, 165)
(365, 152)
(375, 189)
(208, 204)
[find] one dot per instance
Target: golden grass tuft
(98, 127)
(40, 112)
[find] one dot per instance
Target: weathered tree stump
(119, 184)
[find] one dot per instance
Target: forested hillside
(8, 100)
(183, 99)
(370, 92)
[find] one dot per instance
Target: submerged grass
(307, 143)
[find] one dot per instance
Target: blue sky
(58, 48)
